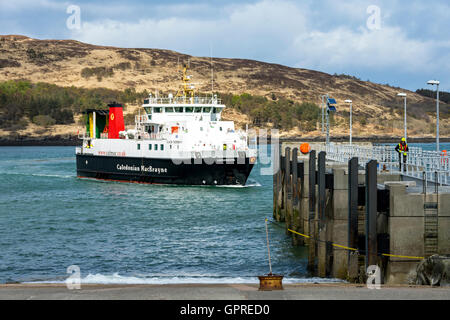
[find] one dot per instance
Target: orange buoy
(305, 148)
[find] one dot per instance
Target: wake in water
(250, 183)
(118, 279)
(39, 175)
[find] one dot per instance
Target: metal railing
(183, 100)
(432, 165)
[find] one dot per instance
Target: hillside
(376, 108)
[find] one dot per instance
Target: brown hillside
(61, 62)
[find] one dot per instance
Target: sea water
(133, 233)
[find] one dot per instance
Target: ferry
(177, 139)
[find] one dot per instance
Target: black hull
(164, 171)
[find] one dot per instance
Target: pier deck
(353, 213)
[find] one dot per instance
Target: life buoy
(444, 157)
(305, 148)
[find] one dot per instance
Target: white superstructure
(181, 126)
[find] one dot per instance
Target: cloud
(255, 30)
(21, 5)
(327, 35)
(388, 47)
(275, 31)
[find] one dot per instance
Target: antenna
(212, 69)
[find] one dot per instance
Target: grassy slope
(377, 110)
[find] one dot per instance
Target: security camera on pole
(330, 108)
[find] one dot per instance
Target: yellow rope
(354, 249)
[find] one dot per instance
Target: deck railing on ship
(183, 100)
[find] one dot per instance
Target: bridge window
(169, 109)
(178, 109)
(198, 109)
(207, 109)
(157, 109)
(189, 109)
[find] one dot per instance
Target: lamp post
(436, 82)
(402, 94)
(350, 101)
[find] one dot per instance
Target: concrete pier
(204, 292)
(351, 217)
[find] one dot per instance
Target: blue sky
(408, 45)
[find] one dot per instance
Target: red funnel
(116, 123)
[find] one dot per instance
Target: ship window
(146, 101)
(178, 109)
(207, 109)
(149, 117)
(189, 109)
(198, 109)
(157, 109)
(201, 128)
(150, 146)
(162, 147)
(156, 147)
(220, 128)
(215, 110)
(169, 109)
(148, 110)
(139, 146)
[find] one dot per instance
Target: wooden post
(276, 188)
(321, 187)
(371, 213)
(312, 211)
(287, 178)
(295, 195)
(353, 218)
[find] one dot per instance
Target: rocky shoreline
(72, 140)
(57, 140)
